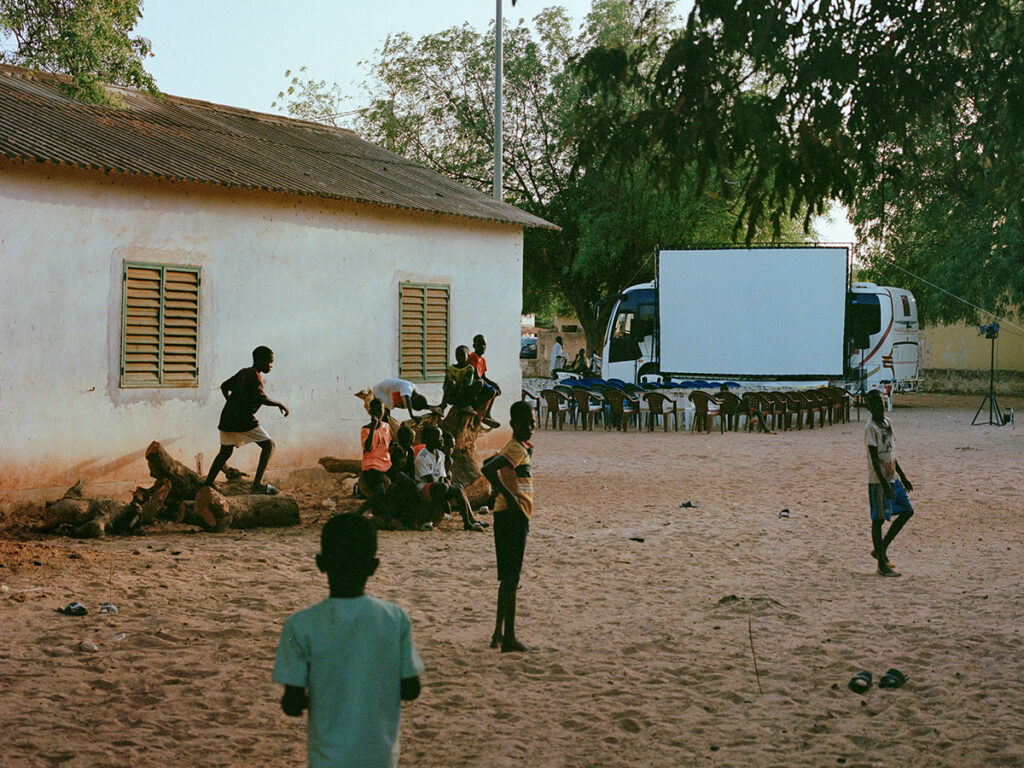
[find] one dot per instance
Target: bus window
(633, 326)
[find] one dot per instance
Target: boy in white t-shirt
(349, 659)
(435, 488)
(887, 485)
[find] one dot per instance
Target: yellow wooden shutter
(423, 331)
(160, 342)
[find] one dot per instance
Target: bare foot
(496, 640)
(512, 645)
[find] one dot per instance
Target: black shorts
(510, 529)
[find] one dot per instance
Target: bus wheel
(648, 369)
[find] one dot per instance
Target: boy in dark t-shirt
(238, 425)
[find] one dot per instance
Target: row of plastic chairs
(620, 407)
(774, 411)
(612, 406)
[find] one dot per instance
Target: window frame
(422, 372)
(162, 381)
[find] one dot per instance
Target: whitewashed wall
(316, 280)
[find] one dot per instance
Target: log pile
(177, 494)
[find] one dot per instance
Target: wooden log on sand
(215, 512)
(184, 482)
(90, 518)
(340, 466)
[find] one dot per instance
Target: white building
(145, 251)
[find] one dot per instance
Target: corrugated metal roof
(180, 139)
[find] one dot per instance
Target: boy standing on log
(510, 476)
(238, 425)
(350, 659)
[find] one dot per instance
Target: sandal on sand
(892, 679)
(860, 682)
(74, 608)
(473, 527)
(265, 490)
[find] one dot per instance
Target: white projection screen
(752, 311)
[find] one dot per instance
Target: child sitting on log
(435, 487)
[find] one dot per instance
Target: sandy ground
(644, 616)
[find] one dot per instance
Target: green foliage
(90, 40)
(431, 100)
(910, 113)
(313, 100)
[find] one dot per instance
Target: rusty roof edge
(536, 223)
(517, 214)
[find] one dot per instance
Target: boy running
(887, 485)
(349, 659)
(238, 426)
(510, 476)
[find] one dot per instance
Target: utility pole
(497, 99)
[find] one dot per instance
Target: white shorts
(236, 439)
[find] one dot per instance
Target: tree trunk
(215, 512)
(465, 467)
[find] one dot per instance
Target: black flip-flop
(892, 679)
(74, 608)
(860, 682)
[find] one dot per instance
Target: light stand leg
(995, 413)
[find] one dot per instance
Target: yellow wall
(960, 347)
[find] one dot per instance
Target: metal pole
(497, 100)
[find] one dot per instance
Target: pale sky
(235, 52)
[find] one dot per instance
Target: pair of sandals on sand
(891, 679)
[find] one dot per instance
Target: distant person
(396, 393)
(349, 659)
(887, 485)
(557, 357)
(580, 364)
(238, 425)
(490, 388)
(510, 477)
(435, 487)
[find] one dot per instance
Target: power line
(984, 311)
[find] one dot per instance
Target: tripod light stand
(995, 413)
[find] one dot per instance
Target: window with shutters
(422, 331)
(160, 325)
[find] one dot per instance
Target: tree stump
(215, 512)
(184, 482)
(465, 467)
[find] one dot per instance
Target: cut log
(185, 483)
(108, 517)
(215, 512)
(341, 466)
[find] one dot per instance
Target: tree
(90, 40)
(912, 114)
(431, 100)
